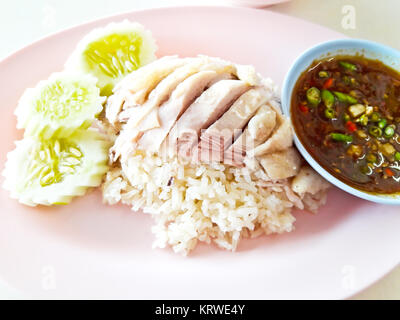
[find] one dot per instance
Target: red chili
(328, 83)
(351, 126)
(303, 108)
(389, 172)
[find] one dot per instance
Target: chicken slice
(161, 92)
(281, 139)
(282, 164)
(257, 132)
(186, 92)
(133, 89)
(172, 109)
(202, 113)
(225, 130)
(164, 89)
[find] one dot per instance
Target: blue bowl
(369, 49)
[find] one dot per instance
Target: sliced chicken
(133, 90)
(144, 80)
(282, 164)
(281, 139)
(246, 73)
(180, 100)
(257, 132)
(163, 91)
(226, 129)
(186, 92)
(202, 113)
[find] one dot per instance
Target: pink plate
(89, 250)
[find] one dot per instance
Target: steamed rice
(205, 202)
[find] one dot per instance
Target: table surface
(367, 19)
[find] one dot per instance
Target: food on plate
(53, 171)
(60, 105)
(201, 144)
(112, 52)
(345, 112)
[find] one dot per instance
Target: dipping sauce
(346, 112)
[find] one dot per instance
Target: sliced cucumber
(112, 52)
(49, 172)
(59, 105)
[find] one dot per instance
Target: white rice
(203, 202)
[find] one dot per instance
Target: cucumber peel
(60, 105)
(54, 171)
(112, 52)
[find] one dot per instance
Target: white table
(23, 21)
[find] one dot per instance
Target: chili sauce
(346, 112)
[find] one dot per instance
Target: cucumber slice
(49, 172)
(59, 105)
(112, 52)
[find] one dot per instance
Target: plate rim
(38, 41)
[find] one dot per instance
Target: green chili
(342, 97)
(375, 117)
(382, 123)
(397, 156)
(341, 137)
(375, 131)
(363, 120)
(388, 132)
(348, 65)
(328, 98)
(351, 99)
(330, 113)
(313, 96)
